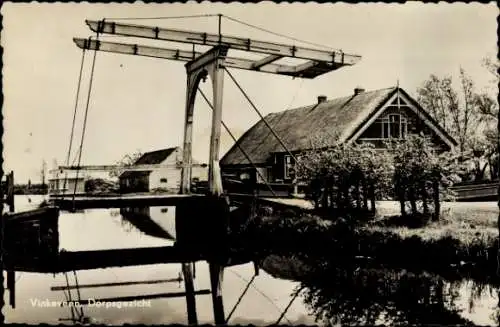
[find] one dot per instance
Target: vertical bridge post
(10, 191)
(209, 64)
(11, 275)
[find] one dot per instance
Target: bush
(100, 185)
(345, 179)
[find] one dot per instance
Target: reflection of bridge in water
(153, 221)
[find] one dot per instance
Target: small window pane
(385, 130)
(374, 131)
(395, 130)
(394, 118)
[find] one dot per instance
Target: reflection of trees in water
(127, 226)
(476, 291)
(124, 224)
(369, 296)
(495, 316)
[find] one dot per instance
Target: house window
(244, 176)
(390, 126)
(394, 126)
(163, 180)
(289, 167)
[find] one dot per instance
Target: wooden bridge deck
(477, 192)
(123, 201)
(98, 259)
(194, 241)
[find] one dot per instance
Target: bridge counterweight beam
(237, 43)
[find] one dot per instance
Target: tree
(456, 114)
(493, 67)
(467, 115)
(421, 176)
(487, 105)
(126, 160)
(484, 155)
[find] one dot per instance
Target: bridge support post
(209, 64)
(216, 276)
(11, 286)
(10, 192)
(187, 272)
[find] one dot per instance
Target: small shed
(165, 177)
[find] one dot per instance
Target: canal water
(329, 295)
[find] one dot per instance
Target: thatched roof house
(360, 117)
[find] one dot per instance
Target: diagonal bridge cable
(277, 121)
(162, 17)
(271, 301)
(240, 298)
(86, 115)
(277, 34)
(74, 119)
(260, 115)
(78, 293)
(288, 306)
(238, 145)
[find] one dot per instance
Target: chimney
(358, 90)
(321, 98)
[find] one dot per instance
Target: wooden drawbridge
(196, 215)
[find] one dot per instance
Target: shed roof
(155, 157)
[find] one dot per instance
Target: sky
(137, 103)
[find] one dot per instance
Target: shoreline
(464, 241)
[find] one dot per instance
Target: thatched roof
(334, 120)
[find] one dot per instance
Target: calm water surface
(359, 296)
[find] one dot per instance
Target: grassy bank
(465, 239)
